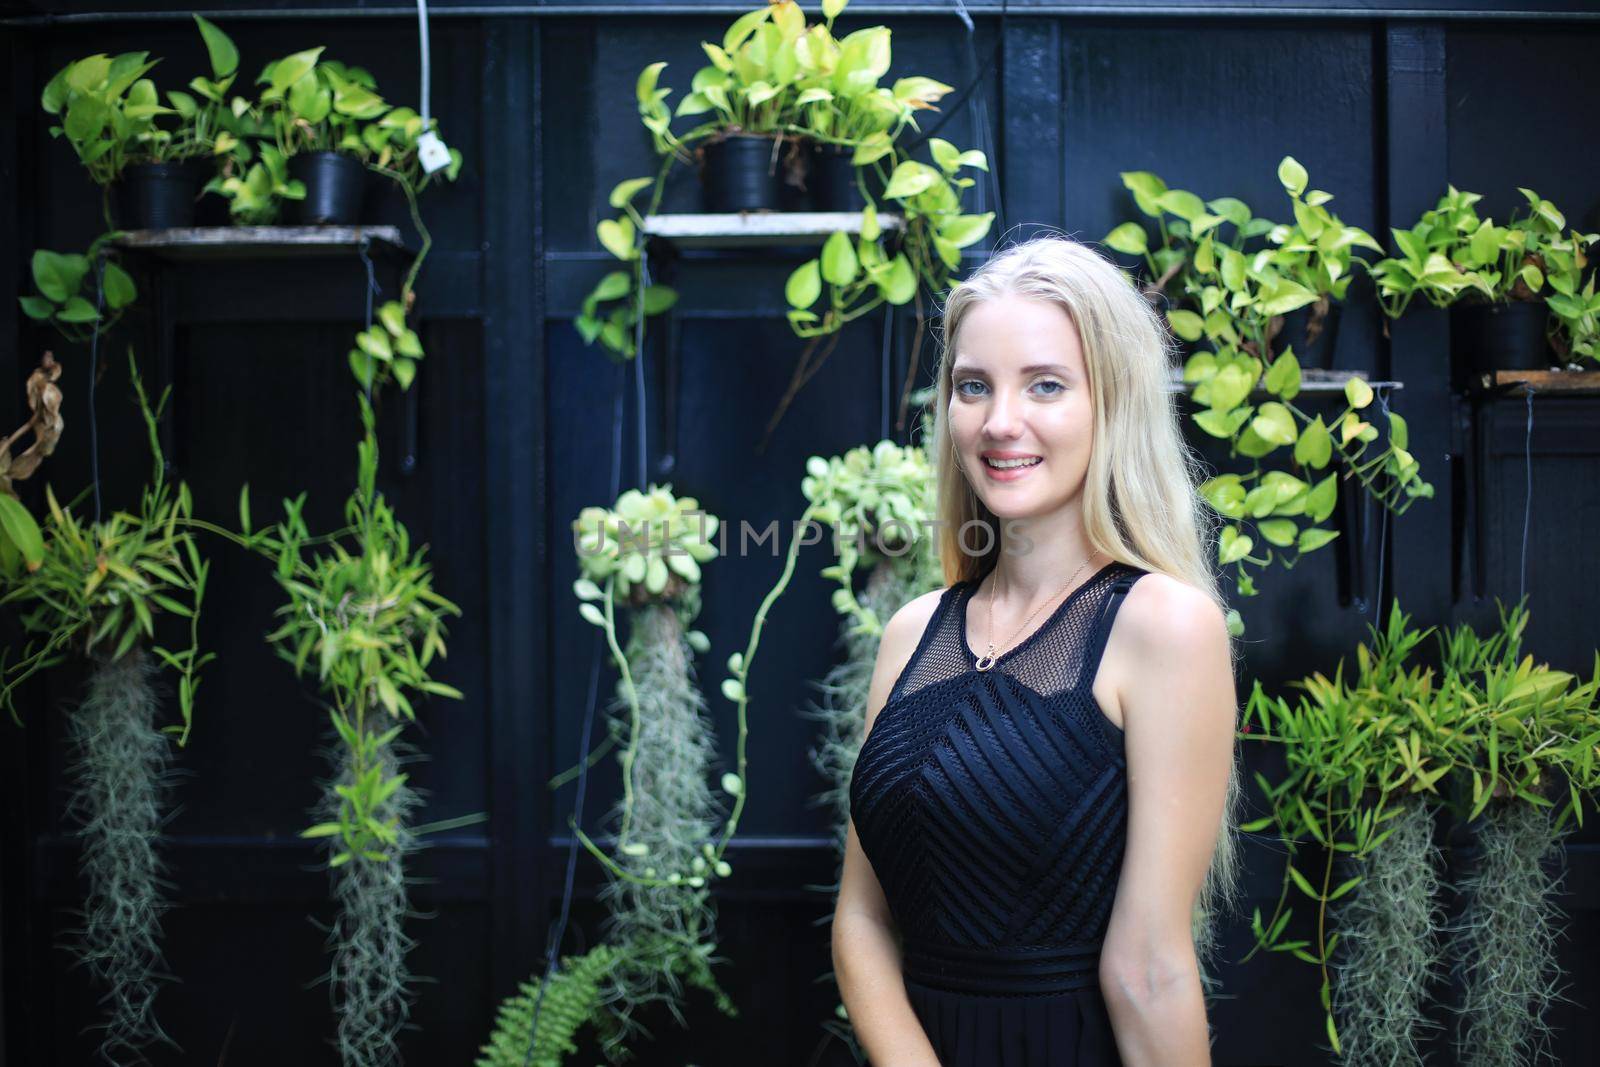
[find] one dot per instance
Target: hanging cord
(1527, 500)
(373, 289)
(638, 377)
(1383, 531)
(888, 356)
(94, 364)
(558, 932)
(980, 111)
(427, 59)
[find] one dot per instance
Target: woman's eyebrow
(1058, 368)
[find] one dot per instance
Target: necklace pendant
(985, 661)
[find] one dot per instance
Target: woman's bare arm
(866, 953)
(1178, 711)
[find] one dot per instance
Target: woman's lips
(1010, 474)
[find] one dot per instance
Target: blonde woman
(1041, 831)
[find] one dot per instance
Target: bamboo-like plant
(1532, 730)
(362, 618)
(97, 591)
(1363, 762)
(647, 550)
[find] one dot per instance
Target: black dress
(993, 808)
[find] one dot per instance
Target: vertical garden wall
(507, 434)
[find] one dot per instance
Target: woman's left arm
(1179, 715)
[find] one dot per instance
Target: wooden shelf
(261, 242)
(1312, 380)
(758, 229)
(1565, 382)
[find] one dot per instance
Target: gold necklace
(987, 660)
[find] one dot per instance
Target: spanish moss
(843, 707)
(1389, 929)
(120, 781)
(1506, 938)
(666, 932)
(370, 984)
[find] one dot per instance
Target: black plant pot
(746, 172)
(335, 184)
(157, 196)
(1489, 337)
(832, 179)
(1315, 352)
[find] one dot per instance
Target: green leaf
(322, 829)
(732, 784)
(21, 530)
(804, 285)
(405, 371)
(839, 265)
(1293, 176)
(37, 308)
(624, 191)
(1358, 393)
(118, 287)
(393, 316)
(58, 276)
(290, 69)
(1314, 447)
(78, 309)
(964, 230)
(1130, 239)
(1305, 886)
(1186, 324)
(1280, 532)
(616, 236)
(224, 56)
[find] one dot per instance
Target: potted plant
(1231, 300)
(97, 591)
(749, 86)
(1492, 278)
(130, 142)
(1574, 324)
(1291, 287)
(316, 109)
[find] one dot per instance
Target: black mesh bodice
(992, 805)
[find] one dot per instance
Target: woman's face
(1019, 388)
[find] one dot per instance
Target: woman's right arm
(866, 954)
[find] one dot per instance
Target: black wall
(512, 424)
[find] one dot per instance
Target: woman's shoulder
(1163, 611)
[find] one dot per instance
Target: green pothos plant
(773, 73)
(1230, 296)
(363, 620)
(97, 590)
(879, 502)
(644, 554)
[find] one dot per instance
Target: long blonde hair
(1140, 500)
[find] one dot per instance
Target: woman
(1041, 823)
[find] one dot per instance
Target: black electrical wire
(94, 364)
(552, 949)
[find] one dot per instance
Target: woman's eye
(960, 386)
(1052, 381)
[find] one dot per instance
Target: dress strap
(1108, 615)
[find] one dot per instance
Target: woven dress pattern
(992, 806)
